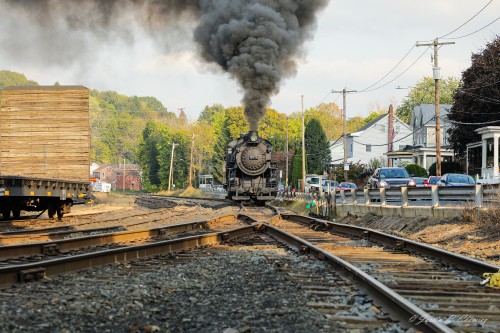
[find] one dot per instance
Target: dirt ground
(476, 235)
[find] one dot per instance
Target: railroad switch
(491, 280)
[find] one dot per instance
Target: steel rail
(399, 243)
(10, 275)
(397, 306)
(58, 244)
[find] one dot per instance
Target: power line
(397, 77)
(449, 33)
(474, 88)
(472, 33)
(393, 68)
(481, 98)
(482, 123)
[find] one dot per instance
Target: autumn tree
(477, 100)
(329, 116)
(423, 93)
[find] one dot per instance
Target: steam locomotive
(249, 172)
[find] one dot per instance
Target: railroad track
(445, 286)
(369, 286)
(132, 220)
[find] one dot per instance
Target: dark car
(456, 179)
(432, 180)
(390, 177)
(419, 181)
(347, 186)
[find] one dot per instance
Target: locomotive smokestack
(253, 136)
(256, 41)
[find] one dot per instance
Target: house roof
(423, 114)
(371, 123)
(101, 168)
(376, 120)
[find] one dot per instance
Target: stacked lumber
(45, 132)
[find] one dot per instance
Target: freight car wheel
(6, 214)
(16, 213)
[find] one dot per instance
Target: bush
(446, 167)
(416, 170)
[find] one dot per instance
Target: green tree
(8, 79)
(296, 169)
(477, 100)
(423, 93)
(317, 148)
(358, 174)
(209, 111)
(223, 138)
(446, 167)
(416, 170)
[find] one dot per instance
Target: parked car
(347, 186)
(333, 184)
(432, 180)
(456, 179)
(419, 181)
(390, 177)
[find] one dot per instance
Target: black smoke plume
(256, 41)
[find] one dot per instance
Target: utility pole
(390, 129)
(344, 113)
(170, 174)
(191, 164)
(286, 169)
(436, 75)
(123, 180)
(303, 187)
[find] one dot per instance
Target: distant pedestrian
(294, 194)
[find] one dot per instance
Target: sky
(356, 43)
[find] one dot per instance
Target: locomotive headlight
(253, 137)
(230, 150)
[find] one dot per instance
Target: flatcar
(45, 155)
(250, 174)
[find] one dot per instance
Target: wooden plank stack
(45, 132)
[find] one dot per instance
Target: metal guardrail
(435, 196)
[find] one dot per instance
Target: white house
(423, 123)
(372, 141)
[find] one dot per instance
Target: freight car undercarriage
(30, 194)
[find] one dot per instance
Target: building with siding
(371, 142)
(423, 124)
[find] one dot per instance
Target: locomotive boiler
(250, 174)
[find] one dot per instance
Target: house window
(368, 148)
